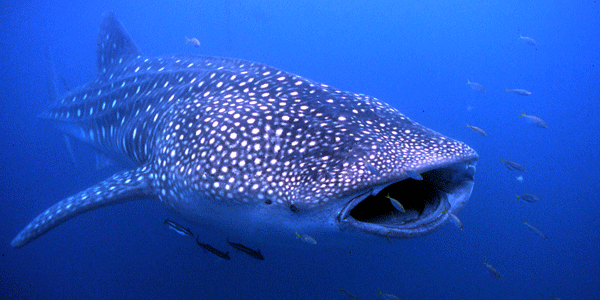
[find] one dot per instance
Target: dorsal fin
(114, 44)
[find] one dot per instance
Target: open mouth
(414, 205)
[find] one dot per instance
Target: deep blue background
(416, 56)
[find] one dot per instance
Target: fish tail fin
(297, 235)
(187, 40)
(468, 81)
(518, 197)
(52, 78)
(522, 114)
(69, 146)
(119, 188)
(502, 160)
(507, 90)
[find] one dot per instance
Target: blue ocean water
(415, 56)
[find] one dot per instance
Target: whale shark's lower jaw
(425, 202)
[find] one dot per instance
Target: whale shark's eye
(268, 201)
(293, 208)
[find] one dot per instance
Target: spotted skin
(214, 136)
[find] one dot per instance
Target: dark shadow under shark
(255, 152)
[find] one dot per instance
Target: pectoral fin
(121, 187)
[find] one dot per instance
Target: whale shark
(254, 152)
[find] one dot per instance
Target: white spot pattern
(225, 127)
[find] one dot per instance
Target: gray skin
(255, 152)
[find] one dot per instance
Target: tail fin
(53, 92)
(69, 146)
(51, 80)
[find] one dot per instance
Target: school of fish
(511, 165)
(395, 200)
(397, 204)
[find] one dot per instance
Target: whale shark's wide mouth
(420, 205)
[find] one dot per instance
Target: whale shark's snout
(441, 187)
(405, 181)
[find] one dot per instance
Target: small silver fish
(387, 296)
(476, 86)
(306, 238)
(512, 166)
(178, 228)
(521, 92)
(477, 129)
(528, 40)
(69, 145)
(194, 41)
(534, 120)
(397, 205)
(251, 252)
(213, 250)
(492, 270)
(536, 231)
(528, 198)
(454, 219)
